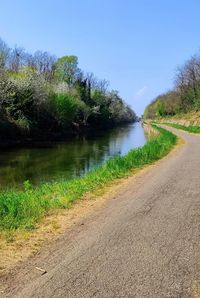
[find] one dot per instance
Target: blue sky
(136, 45)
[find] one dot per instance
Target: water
(67, 160)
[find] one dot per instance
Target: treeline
(41, 95)
(185, 96)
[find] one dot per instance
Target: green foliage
(23, 123)
(160, 108)
(43, 96)
(66, 69)
(186, 94)
(111, 108)
(167, 104)
(23, 209)
(64, 108)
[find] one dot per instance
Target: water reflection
(66, 160)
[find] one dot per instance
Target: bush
(65, 108)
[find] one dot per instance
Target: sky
(136, 45)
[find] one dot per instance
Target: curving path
(145, 242)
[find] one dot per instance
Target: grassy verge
(191, 128)
(23, 209)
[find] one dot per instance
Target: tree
(160, 108)
(44, 63)
(40, 95)
(66, 69)
(4, 55)
(7, 91)
(119, 111)
(187, 83)
(17, 59)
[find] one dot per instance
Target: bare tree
(44, 63)
(92, 80)
(103, 85)
(187, 82)
(4, 55)
(17, 59)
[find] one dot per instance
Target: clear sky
(135, 44)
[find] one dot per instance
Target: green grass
(193, 129)
(23, 209)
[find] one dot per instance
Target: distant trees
(40, 94)
(167, 104)
(186, 93)
(187, 83)
(44, 63)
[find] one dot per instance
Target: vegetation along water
(62, 161)
(43, 97)
(23, 208)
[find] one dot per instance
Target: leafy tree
(160, 108)
(66, 69)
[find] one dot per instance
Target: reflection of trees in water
(62, 160)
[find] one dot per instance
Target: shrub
(64, 108)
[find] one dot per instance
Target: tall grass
(190, 128)
(22, 209)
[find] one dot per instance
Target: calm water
(66, 160)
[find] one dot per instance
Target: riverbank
(39, 139)
(23, 209)
(66, 160)
(189, 122)
(185, 119)
(32, 216)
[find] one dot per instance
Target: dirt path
(145, 242)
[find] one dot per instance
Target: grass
(190, 128)
(23, 209)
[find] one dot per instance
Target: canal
(67, 159)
